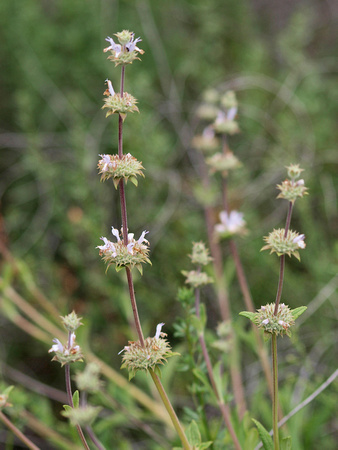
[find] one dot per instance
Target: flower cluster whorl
(156, 350)
(127, 167)
(275, 324)
(133, 254)
(289, 245)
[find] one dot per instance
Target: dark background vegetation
(279, 57)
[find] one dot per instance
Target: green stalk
(275, 392)
(170, 410)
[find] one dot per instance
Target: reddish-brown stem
(125, 225)
(134, 306)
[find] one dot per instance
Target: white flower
(110, 87)
(299, 240)
(141, 238)
(57, 347)
(72, 342)
(125, 349)
(158, 330)
(265, 321)
(230, 223)
(114, 47)
(116, 233)
(107, 247)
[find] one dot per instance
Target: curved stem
(275, 392)
(170, 410)
(17, 432)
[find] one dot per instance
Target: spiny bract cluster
(280, 323)
(127, 167)
(156, 350)
(278, 243)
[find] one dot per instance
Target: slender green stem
(223, 407)
(275, 392)
(170, 410)
(17, 432)
(282, 261)
(71, 403)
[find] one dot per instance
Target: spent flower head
(155, 352)
(223, 162)
(127, 168)
(126, 51)
(294, 171)
(206, 142)
(232, 223)
(68, 353)
(88, 380)
(71, 322)
(225, 123)
(82, 416)
(289, 245)
(133, 254)
(196, 278)
(200, 254)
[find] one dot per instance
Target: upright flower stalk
(145, 354)
(277, 318)
(196, 278)
(219, 111)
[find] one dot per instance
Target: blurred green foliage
(280, 59)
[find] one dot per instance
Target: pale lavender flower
(57, 347)
(299, 240)
(265, 321)
(131, 46)
(107, 163)
(114, 47)
(231, 114)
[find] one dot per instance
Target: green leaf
(67, 408)
(264, 435)
(205, 381)
(286, 443)
(298, 311)
(76, 399)
(218, 378)
(248, 315)
(193, 434)
(266, 336)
